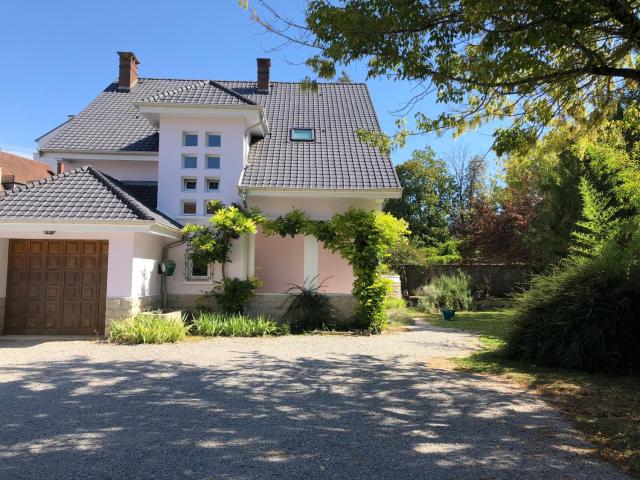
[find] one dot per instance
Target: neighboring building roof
(22, 169)
(81, 194)
(335, 160)
(145, 192)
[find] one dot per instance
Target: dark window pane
(190, 140)
(190, 162)
(213, 162)
(214, 140)
(189, 184)
(199, 268)
(213, 184)
(189, 208)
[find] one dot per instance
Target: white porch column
(310, 260)
(251, 254)
(4, 268)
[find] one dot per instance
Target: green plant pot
(447, 314)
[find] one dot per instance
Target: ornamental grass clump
(309, 309)
(147, 328)
(447, 291)
(223, 325)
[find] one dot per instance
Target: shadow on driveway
(355, 417)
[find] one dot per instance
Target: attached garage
(77, 251)
(56, 287)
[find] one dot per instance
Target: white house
(83, 247)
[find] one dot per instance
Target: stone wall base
(123, 307)
(268, 304)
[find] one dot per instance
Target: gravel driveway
(298, 407)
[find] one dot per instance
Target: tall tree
(530, 63)
(427, 198)
(470, 184)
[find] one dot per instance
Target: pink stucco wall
(334, 266)
(279, 262)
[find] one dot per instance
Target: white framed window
(212, 184)
(197, 270)
(189, 161)
(189, 139)
(214, 140)
(303, 134)
(189, 184)
(188, 207)
(212, 162)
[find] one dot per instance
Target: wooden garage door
(56, 287)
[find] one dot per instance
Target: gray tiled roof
(200, 93)
(335, 160)
(81, 194)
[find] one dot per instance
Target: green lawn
(605, 408)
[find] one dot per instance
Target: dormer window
(302, 134)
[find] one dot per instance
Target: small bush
(147, 328)
(447, 291)
(309, 309)
(391, 303)
(232, 294)
(221, 325)
(583, 315)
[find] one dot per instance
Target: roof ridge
(170, 93)
(282, 82)
(232, 92)
(135, 205)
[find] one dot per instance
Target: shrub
(309, 309)
(147, 328)
(582, 315)
(221, 325)
(447, 291)
(232, 294)
(391, 303)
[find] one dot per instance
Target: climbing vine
(362, 237)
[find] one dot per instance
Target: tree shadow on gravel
(345, 417)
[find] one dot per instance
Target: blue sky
(57, 56)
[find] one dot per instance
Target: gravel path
(298, 407)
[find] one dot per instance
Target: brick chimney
(264, 67)
(128, 74)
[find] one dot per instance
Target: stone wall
(495, 280)
(272, 305)
(118, 308)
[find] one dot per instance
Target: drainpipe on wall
(163, 279)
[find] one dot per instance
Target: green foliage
(309, 309)
(529, 64)
(364, 238)
(212, 243)
(427, 198)
(394, 303)
(221, 325)
(232, 294)
(584, 314)
(598, 223)
(443, 253)
(447, 291)
(147, 328)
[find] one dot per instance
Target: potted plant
(446, 304)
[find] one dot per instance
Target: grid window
(214, 140)
(189, 139)
(189, 161)
(213, 162)
(188, 207)
(189, 184)
(213, 184)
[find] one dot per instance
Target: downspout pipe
(163, 279)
